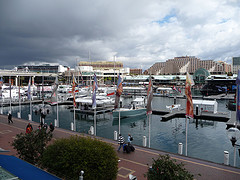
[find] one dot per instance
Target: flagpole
(57, 110)
(74, 118)
(10, 94)
(119, 122)
(1, 84)
(149, 129)
(186, 129)
(30, 100)
(95, 122)
(19, 95)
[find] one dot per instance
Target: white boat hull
(124, 112)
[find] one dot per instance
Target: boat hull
(128, 112)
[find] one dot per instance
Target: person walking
(130, 138)
(120, 142)
(10, 118)
(45, 126)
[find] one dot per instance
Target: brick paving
(134, 163)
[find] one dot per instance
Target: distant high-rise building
(235, 64)
(181, 65)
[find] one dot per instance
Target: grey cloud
(61, 31)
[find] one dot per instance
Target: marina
(207, 137)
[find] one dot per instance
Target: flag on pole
(1, 83)
(149, 96)
(238, 97)
(179, 90)
(174, 88)
(95, 88)
(188, 85)
(29, 89)
(54, 89)
(73, 90)
(118, 92)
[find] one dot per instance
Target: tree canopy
(67, 157)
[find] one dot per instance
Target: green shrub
(67, 157)
(166, 169)
(30, 146)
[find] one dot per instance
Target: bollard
(19, 115)
(115, 135)
(55, 123)
(91, 130)
(43, 120)
(131, 177)
(1, 111)
(226, 157)
(175, 100)
(196, 110)
(71, 126)
(144, 141)
(180, 148)
(81, 175)
(29, 117)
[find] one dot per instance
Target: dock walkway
(167, 115)
(135, 163)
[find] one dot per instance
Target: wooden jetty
(232, 121)
(167, 115)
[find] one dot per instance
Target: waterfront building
(158, 80)
(235, 64)
(107, 72)
(200, 75)
(136, 71)
(102, 65)
(22, 77)
(181, 65)
(44, 68)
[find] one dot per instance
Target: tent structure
(206, 105)
(18, 169)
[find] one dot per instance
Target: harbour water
(206, 139)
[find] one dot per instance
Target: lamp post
(233, 135)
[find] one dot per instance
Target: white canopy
(204, 103)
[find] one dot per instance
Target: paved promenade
(134, 163)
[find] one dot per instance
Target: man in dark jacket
(10, 118)
(51, 127)
(120, 141)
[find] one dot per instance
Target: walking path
(134, 163)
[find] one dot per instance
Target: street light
(233, 134)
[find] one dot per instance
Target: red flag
(73, 90)
(118, 92)
(149, 96)
(111, 94)
(189, 106)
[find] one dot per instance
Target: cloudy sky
(138, 32)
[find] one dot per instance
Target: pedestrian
(130, 138)
(10, 118)
(45, 126)
(41, 124)
(29, 128)
(51, 127)
(120, 141)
